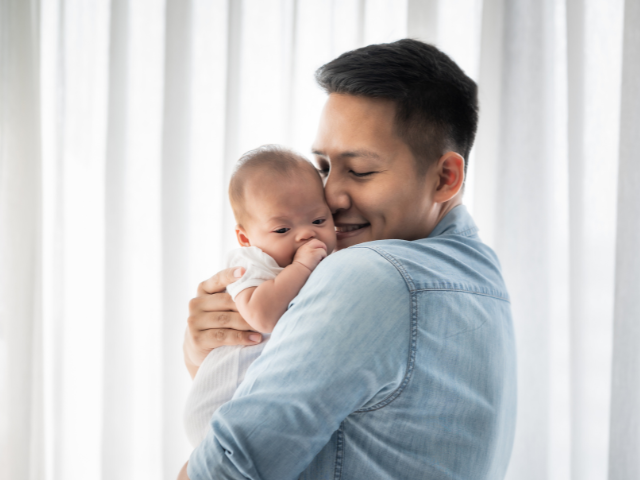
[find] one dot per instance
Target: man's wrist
(192, 368)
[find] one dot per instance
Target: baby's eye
(323, 171)
(319, 221)
(281, 230)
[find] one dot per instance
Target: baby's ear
(243, 240)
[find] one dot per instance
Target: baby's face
(285, 212)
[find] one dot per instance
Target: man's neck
(442, 209)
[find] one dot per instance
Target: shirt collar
(456, 222)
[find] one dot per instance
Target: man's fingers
(220, 280)
(208, 320)
(218, 337)
(214, 320)
(216, 302)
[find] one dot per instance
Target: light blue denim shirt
(395, 361)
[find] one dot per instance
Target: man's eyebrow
(318, 153)
(351, 154)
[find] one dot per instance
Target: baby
(285, 228)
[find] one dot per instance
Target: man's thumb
(237, 273)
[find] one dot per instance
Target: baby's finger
(220, 280)
(315, 243)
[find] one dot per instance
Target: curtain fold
(525, 217)
(120, 123)
(176, 169)
(117, 456)
(624, 447)
(138, 122)
(592, 190)
(21, 346)
(74, 278)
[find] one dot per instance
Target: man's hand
(183, 473)
(311, 254)
(214, 321)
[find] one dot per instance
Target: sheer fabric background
(119, 125)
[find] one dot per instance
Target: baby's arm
(262, 306)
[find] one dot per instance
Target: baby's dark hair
(268, 159)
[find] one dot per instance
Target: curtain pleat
(624, 446)
(76, 311)
(576, 58)
(21, 353)
(422, 20)
(524, 238)
(594, 46)
(141, 280)
(116, 441)
(483, 172)
(208, 138)
(176, 169)
(120, 123)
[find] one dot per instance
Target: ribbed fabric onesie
(223, 370)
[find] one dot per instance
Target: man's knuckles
(221, 335)
(224, 336)
(208, 320)
(194, 304)
(222, 318)
(192, 320)
(218, 282)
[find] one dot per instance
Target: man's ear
(243, 240)
(450, 171)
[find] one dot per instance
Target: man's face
(372, 184)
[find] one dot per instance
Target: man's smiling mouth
(350, 227)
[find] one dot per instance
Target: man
(397, 359)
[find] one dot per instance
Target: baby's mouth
(351, 227)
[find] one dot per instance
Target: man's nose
(335, 194)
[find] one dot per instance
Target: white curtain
(119, 124)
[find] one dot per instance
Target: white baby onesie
(223, 370)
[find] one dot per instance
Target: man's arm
(343, 345)
(183, 472)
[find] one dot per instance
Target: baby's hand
(311, 253)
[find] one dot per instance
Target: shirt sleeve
(259, 267)
(343, 345)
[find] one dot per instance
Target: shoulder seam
(450, 287)
(393, 261)
(464, 290)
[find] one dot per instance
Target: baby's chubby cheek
(331, 244)
(284, 257)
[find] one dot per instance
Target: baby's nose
(306, 234)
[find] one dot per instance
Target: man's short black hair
(436, 103)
